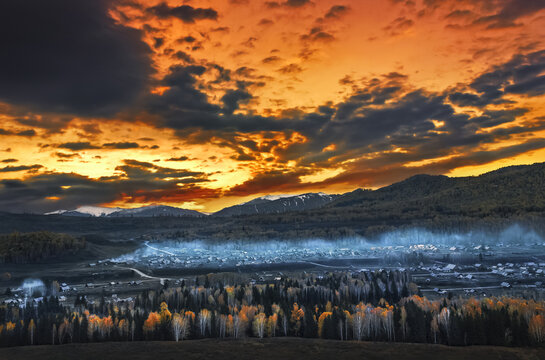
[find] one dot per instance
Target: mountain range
(273, 204)
(262, 205)
(146, 211)
(493, 200)
(509, 190)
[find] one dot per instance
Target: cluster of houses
(478, 276)
(233, 257)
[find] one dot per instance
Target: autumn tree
(31, 330)
(180, 326)
(151, 324)
(203, 320)
(259, 325)
(536, 327)
(321, 319)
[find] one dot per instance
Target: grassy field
(277, 348)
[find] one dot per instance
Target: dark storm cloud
(180, 55)
(265, 22)
(245, 71)
(158, 42)
(139, 180)
(271, 59)
(297, 3)
(459, 14)
(76, 146)
(49, 123)
(20, 168)
(86, 145)
(7, 161)
(233, 98)
(186, 13)
(522, 75)
(359, 127)
(31, 195)
(382, 115)
(221, 29)
(278, 180)
(185, 108)
(121, 145)
(27, 133)
(511, 11)
(180, 158)
(69, 56)
(317, 34)
(405, 122)
(223, 74)
(182, 106)
(491, 118)
(290, 69)
(363, 119)
(531, 87)
(336, 11)
(468, 99)
(287, 3)
(373, 173)
(398, 25)
(186, 39)
(61, 155)
(135, 169)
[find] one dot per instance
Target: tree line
(377, 306)
(21, 248)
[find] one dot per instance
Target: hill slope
(514, 189)
(274, 205)
(268, 348)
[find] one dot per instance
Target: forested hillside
(515, 189)
(34, 247)
(264, 205)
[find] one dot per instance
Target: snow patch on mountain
(97, 210)
(88, 210)
(267, 198)
(278, 204)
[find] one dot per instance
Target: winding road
(144, 275)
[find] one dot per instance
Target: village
(471, 270)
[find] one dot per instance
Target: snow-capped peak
(90, 210)
(274, 197)
(269, 198)
(96, 210)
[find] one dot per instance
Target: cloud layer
(136, 102)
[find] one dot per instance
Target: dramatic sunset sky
(203, 104)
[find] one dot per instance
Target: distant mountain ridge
(262, 205)
(146, 211)
(274, 204)
(513, 190)
(491, 201)
(155, 210)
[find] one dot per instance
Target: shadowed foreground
(279, 348)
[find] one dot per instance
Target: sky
(203, 104)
